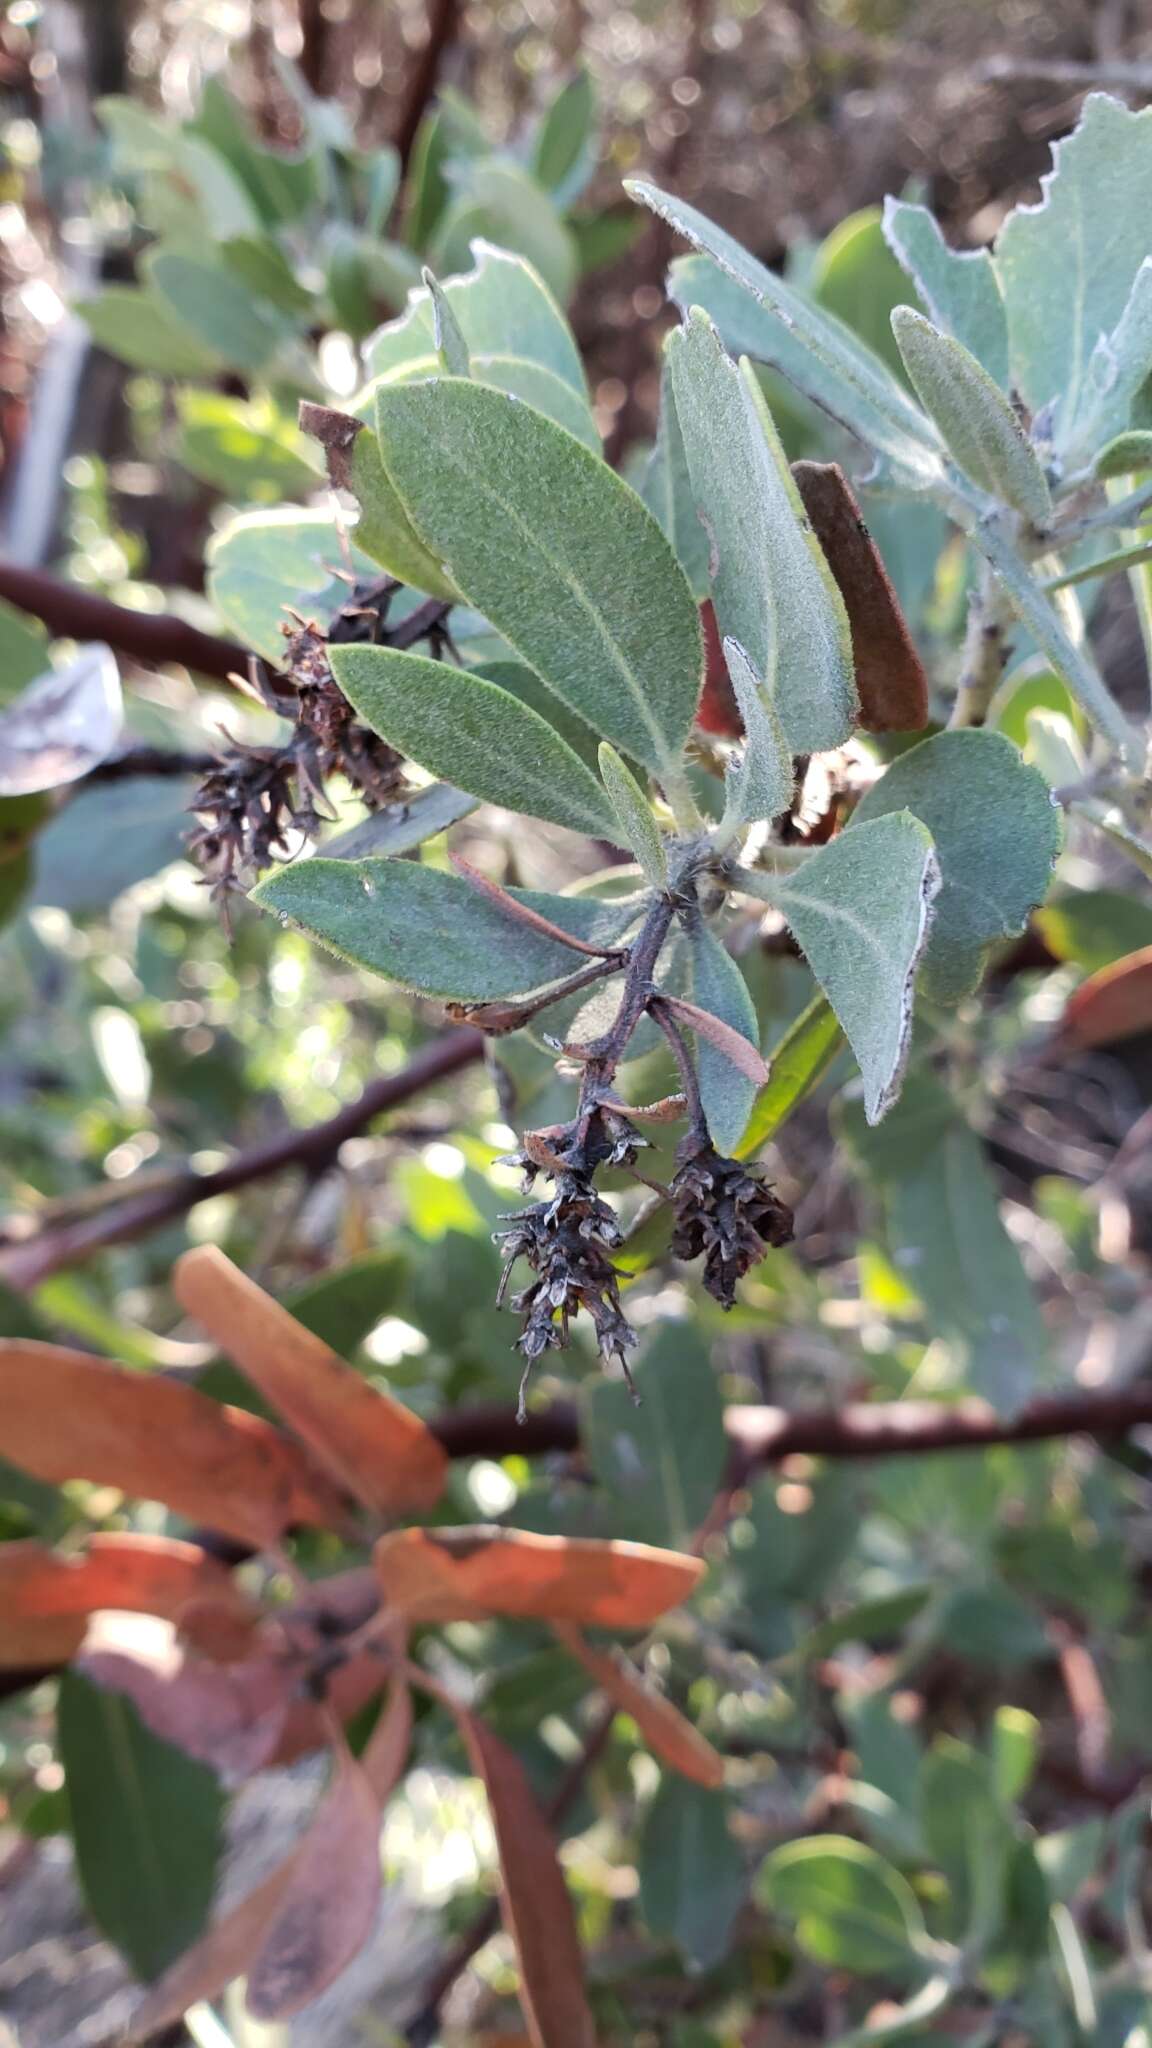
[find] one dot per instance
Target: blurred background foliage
(930, 1675)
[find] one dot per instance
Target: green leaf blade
(959, 287)
(984, 436)
(997, 834)
(772, 589)
(692, 1879)
(432, 932)
(633, 816)
(797, 1063)
(558, 554)
(719, 987)
(473, 734)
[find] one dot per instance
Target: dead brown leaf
(464, 1574)
(665, 1729)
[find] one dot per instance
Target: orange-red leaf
(385, 1753)
(664, 1728)
(1114, 1003)
(69, 1416)
(326, 1911)
(45, 1597)
(374, 1446)
(534, 1897)
(889, 673)
(464, 1574)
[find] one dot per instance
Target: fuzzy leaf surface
(984, 436)
(719, 987)
(959, 287)
(558, 554)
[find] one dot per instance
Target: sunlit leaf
(461, 1574)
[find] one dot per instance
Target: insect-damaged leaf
(376, 1449)
(432, 931)
(984, 436)
(473, 733)
(147, 1823)
(463, 1574)
(890, 678)
(534, 1897)
(996, 832)
(667, 1732)
(557, 552)
(71, 1416)
(771, 586)
(861, 916)
(46, 1597)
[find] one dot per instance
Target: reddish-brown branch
(26, 1264)
(145, 636)
(766, 1436)
(443, 16)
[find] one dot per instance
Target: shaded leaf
(71, 1416)
(557, 552)
(328, 1906)
(850, 1908)
(462, 1574)
(996, 832)
(431, 931)
(667, 490)
(759, 785)
(666, 1731)
(534, 1897)
(798, 1062)
(661, 1463)
(107, 838)
(473, 733)
(447, 335)
(216, 307)
(230, 1715)
(262, 562)
(862, 916)
(968, 1834)
(496, 198)
(384, 531)
(1095, 927)
(62, 725)
(376, 1449)
(632, 817)
(855, 276)
(565, 140)
(139, 328)
(1117, 372)
(959, 287)
(147, 1824)
(692, 1877)
(1070, 660)
(727, 1090)
(1113, 1004)
(890, 678)
(771, 587)
(984, 436)
(397, 830)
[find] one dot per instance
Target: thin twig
(26, 1264)
(985, 651)
(147, 637)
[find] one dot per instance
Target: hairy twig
(25, 1264)
(144, 636)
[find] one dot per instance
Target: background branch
(25, 1265)
(149, 637)
(443, 16)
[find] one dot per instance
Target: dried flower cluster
(255, 799)
(725, 1214)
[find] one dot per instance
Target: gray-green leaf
(557, 552)
(434, 932)
(861, 914)
(447, 335)
(759, 785)
(997, 834)
(667, 490)
(472, 733)
(959, 286)
(984, 436)
(1066, 266)
(1118, 369)
(140, 328)
(633, 816)
(719, 987)
(692, 1878)
(897, 426)
(772, 589)
(218, 309)
(384, 531)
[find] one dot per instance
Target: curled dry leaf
(1114, 1003)
(890, 677)
(667, 1732)
(465, 1574)
(734, 1046)
(46, 1598)
(523, 913)
(374, 1447)
(228, 1715)
(533, 1896)
(70, 1416)
(62, 725)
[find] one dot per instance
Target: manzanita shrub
(734, 698)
